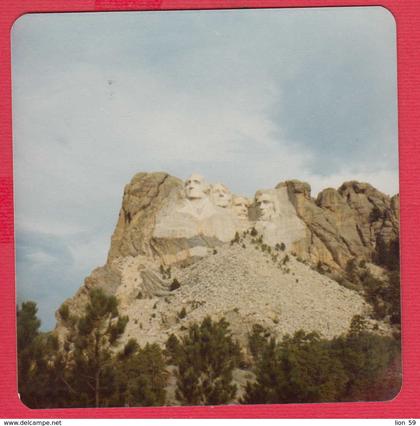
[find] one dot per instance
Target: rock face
(345, 223)
(144, 197)
(238, 257)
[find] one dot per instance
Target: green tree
(28, 352)
(53, 389)
(150, 381)
(394, 254)
(40, 364)
(387, 254)
(172, 349)
(384, 295)
(207, 357)
(91, 341)
(174, 285)
(357, 326)
(257, 341)
(298, 369)
(269, 375)
(381, 251)
(182, 313)
(368, 360)
(141, 376)
(351, 271)
(392, 296)
(27, 325)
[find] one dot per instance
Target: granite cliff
(184, 250)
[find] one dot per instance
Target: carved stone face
(240, 207)
(195, 187)
(265, 204)
(220, 195)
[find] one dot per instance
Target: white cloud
(386, 180)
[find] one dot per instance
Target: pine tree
(394, 254)
(172, 349)
(141, 376)
(28, 352)
(207, 357)
(151, 378)
(381, 251)
(393, 296)
(298, 369)
(269, 374)
(257, 341)
(91, 341)
(40, 366)
(53, 390)
(367, 358)
(388, 254)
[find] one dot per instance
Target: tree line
(91, 369)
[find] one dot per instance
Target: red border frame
(407, 403)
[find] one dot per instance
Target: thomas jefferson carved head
(195, 187)
(265, 203)
(221, 195)
(240, 207)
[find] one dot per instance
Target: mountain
(283, 259)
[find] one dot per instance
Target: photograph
(206, 207)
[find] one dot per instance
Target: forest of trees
(91, 370)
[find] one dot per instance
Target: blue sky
(246, 97)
